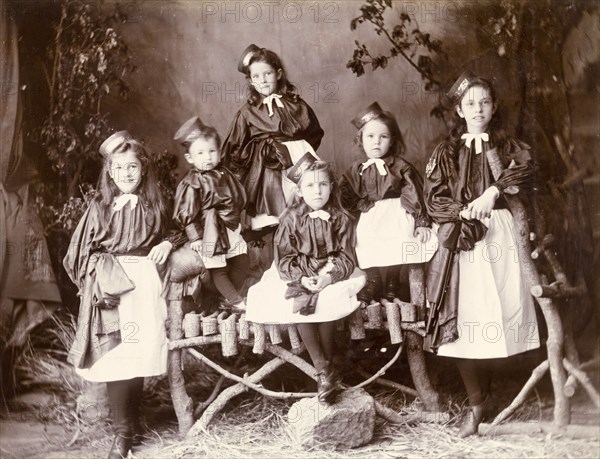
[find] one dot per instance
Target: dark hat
(459, 87)
(114, 142)
(244, 59)
(295, 173)
(188, 128)
(373, 111)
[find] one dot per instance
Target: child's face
(477, 108)
(264, 78)
(315, 189)
(126, 171)
(376, 139)
(204, 154)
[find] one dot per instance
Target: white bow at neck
(322, 214)
(122, 200)
(479, 139)
(379, 164)
(268, 101)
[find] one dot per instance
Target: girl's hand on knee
(422, 234)
(196, 246)
(159, 253)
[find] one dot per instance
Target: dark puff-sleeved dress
(250, 151)
(307, 245)
(495, 315)
(387, 194)
(103, 255)
(208, 207)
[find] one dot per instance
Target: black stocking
(476, 380)
(119, 399)
(310, 336)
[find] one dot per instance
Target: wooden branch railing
(403, 321)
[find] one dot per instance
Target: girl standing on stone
(481, 307)
(273, 129)
(314, 279)
(113, 258)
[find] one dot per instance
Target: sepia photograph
(299, 229)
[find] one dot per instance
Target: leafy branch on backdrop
(85, 63)
(412, 45)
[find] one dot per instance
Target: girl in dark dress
(113, 259)
(386, 192)
(209, 202)
(314, 279)
(269, 134)
(484, 308)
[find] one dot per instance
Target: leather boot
(392, 288)
(120, 447)
(476, 415)
(328, 384)
(137, 432)
(370, 291)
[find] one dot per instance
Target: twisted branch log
(536, 375)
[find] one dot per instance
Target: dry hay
(256, 428)
(253, 426)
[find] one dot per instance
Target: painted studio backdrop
(185, 53)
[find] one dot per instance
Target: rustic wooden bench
(403, 321)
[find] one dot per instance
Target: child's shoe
(476, 415)
(120, 447)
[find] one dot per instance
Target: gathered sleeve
(314, 133)
(518, 165)
(354, 198)
(82, 245)
(343, 258)
(439, 200)
(412, 194)
(291, 263)
(239, 135)
(186, 209)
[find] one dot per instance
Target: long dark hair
(148, 188)
(459, 125)
(284, 87)
(397, 147)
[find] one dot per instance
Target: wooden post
(408, 311)
(209, 325)
(392, 313)
(244, 326)
(375, 315)
(191, 324)
(414, 342)
(275, 334)
(260, 338)
(295, 340)
(356, 325)
(554, 344)
(229, 336)
(182, 403)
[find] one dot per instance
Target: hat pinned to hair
(114, 142)
(373, 111)
(295, 173)
(247, 54)
(191, 126)
(459, 87)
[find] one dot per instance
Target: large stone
(346, 424)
